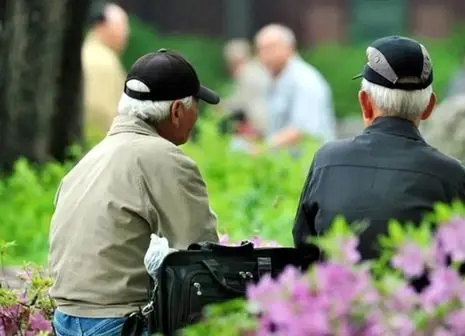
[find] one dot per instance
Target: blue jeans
(66, 325)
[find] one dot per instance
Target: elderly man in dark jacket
(389, 171)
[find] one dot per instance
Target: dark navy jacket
(387, 172)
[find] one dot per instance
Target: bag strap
(245, 247)
(212, 266)
(264, 266)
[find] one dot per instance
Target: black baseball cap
(169, 76)
(398, 62)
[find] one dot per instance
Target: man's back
(388, 172)
(132, 184)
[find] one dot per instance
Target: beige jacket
(104, 79)
(132, 184)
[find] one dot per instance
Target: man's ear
(429, 109)
(365, 105)
(175, 112)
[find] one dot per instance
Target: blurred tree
(238, 18)
(40, 81)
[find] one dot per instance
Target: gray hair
(146, 110)
(285, 34)
(398, 103)
(237, 48)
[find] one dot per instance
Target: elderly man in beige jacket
(104, 74)
(135, 182)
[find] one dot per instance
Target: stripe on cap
(379, 64)
(427, 66)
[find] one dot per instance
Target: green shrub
(26, 206)
(249, 195)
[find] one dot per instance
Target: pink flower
(445, 285)
(443, 332)
(451, 236)
(223, 239)
(37, 322)
(456, 320)
(349, 250)
(410, 259)
(403, 299)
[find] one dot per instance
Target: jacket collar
(130, 124)
(394, 126)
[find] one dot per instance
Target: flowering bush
(344, 296)
(26, 311)
(415, 288)
(29, 310)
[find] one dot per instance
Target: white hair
(146, 110)
(237, 48)
(285, 34)
(398, 103)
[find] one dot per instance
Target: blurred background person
(299, 99)
(104, 74)
(445, 130)
(245, 107)
(456, 85)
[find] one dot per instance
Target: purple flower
(37, 322)
(350, 254)
(410, 259)
(11, 319)
(223, 239)
(401, 325)
(451, 236)
(314, 322)
(443, 332)
(456, 320)
(403, 299)
(259, 294)
(445, 285)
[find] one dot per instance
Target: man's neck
(285, 65)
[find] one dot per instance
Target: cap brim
(208, 96)
(360, 75)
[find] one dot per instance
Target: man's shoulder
(451, 164)
(159, 151)
(96, 56)
(332, 150)
(306, 75)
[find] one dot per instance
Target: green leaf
(396, 232)
(442, 212)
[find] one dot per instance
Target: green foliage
(26, 206)
(250, 195)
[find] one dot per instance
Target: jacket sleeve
(304, 223)
(177, 198)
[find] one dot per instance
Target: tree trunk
(40, 78)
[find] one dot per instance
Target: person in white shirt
(300, 99)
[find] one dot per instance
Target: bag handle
(245, 247)
(212, 265)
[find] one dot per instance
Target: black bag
(209, 273)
